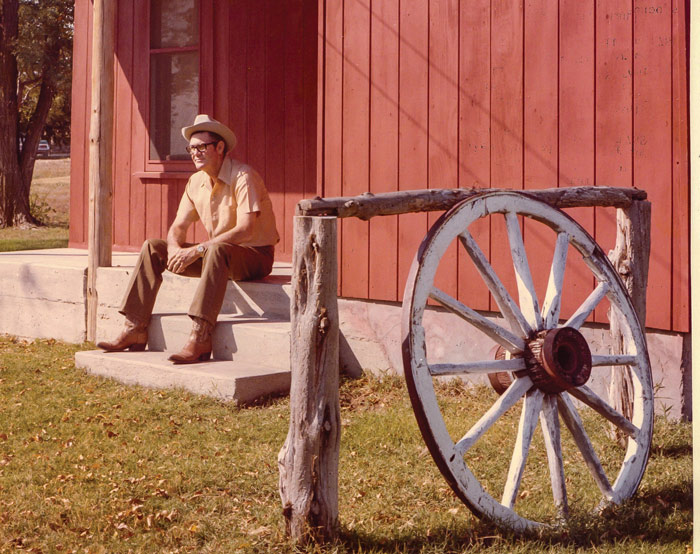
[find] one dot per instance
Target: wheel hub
(556, 360)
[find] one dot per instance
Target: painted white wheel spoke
(590, 398)
(503, 337)
(549, 418)
(613, 359)
(575, 425)
(529, 305)
(526, 428)
(484, 366)
(585, 309)
(505, 301)
(551, 307)
(514, 393)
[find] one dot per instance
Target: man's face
(212, 156)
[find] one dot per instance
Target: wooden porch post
(100, 158)
(308, 461)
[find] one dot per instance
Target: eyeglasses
(201, 148)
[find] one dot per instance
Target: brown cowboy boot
(134, 336)
(198, 347)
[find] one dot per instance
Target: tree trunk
(16, 168)
(9, 113)
(308, 461)
(27, 157)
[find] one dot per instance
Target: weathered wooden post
(308, 461)
(100, 159)
(630, 258)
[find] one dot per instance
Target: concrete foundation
(374, 331)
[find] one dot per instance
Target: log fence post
(308, 460)
(630, 257)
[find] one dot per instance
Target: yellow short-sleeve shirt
(237, 189)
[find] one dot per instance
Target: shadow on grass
(657, 516)
(674, 451)
(441, 539)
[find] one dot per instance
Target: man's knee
(155, 246)
(153, 243)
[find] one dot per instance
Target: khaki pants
(220, 263)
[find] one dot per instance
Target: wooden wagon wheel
(542, 361)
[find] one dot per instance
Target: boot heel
(204, 356)
(137, 347)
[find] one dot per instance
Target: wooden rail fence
(308, 460)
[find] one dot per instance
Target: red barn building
(340, 97)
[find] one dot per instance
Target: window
(174, 75)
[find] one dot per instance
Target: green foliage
(90, 465)
(40, 208)
(45, 50)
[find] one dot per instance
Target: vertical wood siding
(517, 94)
(383, 146)
(347, 96)
(263, 83)
(80, 102)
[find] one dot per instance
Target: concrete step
(268, 297)
(239, 338)
(241, 383)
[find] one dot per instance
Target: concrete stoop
(42, 295)
(242, 383)
(250, 357)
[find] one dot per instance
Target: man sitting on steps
(231, 201)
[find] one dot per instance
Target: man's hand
(181, 258)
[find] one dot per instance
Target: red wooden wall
(263, 83)
(513, 94)
(339, 97)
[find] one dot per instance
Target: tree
(35, 72)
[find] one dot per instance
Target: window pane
(174, 102)
(174, 23)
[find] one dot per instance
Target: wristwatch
(201, 250)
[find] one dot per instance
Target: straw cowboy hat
(205, 123)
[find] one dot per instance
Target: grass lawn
(89, 465)
(50, 197)
(33, 239)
